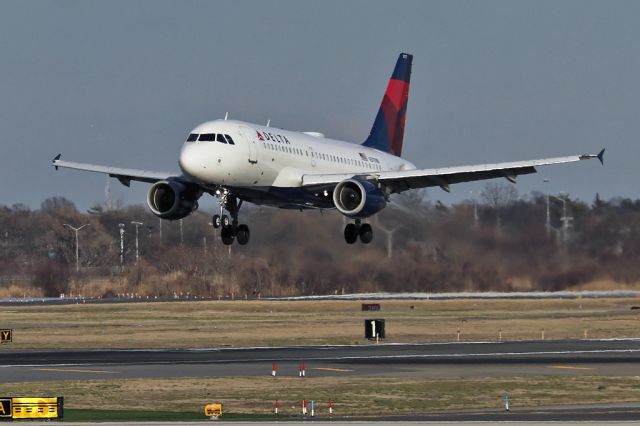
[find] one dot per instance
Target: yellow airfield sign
(31, 408)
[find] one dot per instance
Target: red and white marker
(274, 369)
(304, 407)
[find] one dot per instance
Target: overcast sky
(122, 82)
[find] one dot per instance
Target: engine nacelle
(172, 200)
(357, 198)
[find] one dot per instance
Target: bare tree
(499, 196)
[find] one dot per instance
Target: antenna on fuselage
(226, 115)
(268, 122)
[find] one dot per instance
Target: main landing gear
(230, 228)
(354, 230)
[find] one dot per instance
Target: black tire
(225, 220)
(216, 221)
(350, 233)
(366, 233)
(243, 234)
(227, 235)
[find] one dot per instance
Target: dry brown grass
(250, 323)
(351, 395)
(20, 290)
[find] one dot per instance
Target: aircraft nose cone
(191, 161)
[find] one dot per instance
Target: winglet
(56, 158)
(599, 156)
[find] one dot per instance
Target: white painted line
(347, 358)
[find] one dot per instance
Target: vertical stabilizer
(388, 129)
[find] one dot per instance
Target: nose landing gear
(230, 228)
(354, 230)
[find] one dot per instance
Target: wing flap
(398, 181)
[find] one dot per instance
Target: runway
(480, 359)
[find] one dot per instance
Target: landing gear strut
(230, 228)
(354, 230)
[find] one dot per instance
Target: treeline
(501, 242)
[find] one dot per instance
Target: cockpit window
(221, 138)
(230, 140)
(207, 137)
(192, 137)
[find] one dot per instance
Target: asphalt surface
(550, 351)
(530, 358)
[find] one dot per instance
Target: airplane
(239, 162)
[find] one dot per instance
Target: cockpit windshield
(210, 137)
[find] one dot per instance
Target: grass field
(248, 323)
(351, 396)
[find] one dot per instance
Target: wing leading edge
(125, 176)
(398, 181)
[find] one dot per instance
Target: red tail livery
(388, 129)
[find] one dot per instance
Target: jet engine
(357, 198)
(172, 200)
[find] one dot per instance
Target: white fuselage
(268, 157)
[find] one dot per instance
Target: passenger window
(231, 142)
(192, 137)
(207, 137)
(221, 138)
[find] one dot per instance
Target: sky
(122, 82)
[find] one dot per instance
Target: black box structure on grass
(370, 306)
(374, 328)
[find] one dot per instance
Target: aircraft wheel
(366, 233)
(350, 233)
(227, 235)
(225, 220)
(216, 221)
(243, 234)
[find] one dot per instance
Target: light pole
(77, 249)
(389, 232)
(566, 220)
(548, 219)
(137, 224)
(475, 210)
(121, 226)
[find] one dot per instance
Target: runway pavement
(490, 359)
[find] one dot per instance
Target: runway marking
(569, 367)
(340, 370)
(69, 370)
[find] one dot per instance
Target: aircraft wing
(125, 176)
(398, 181)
